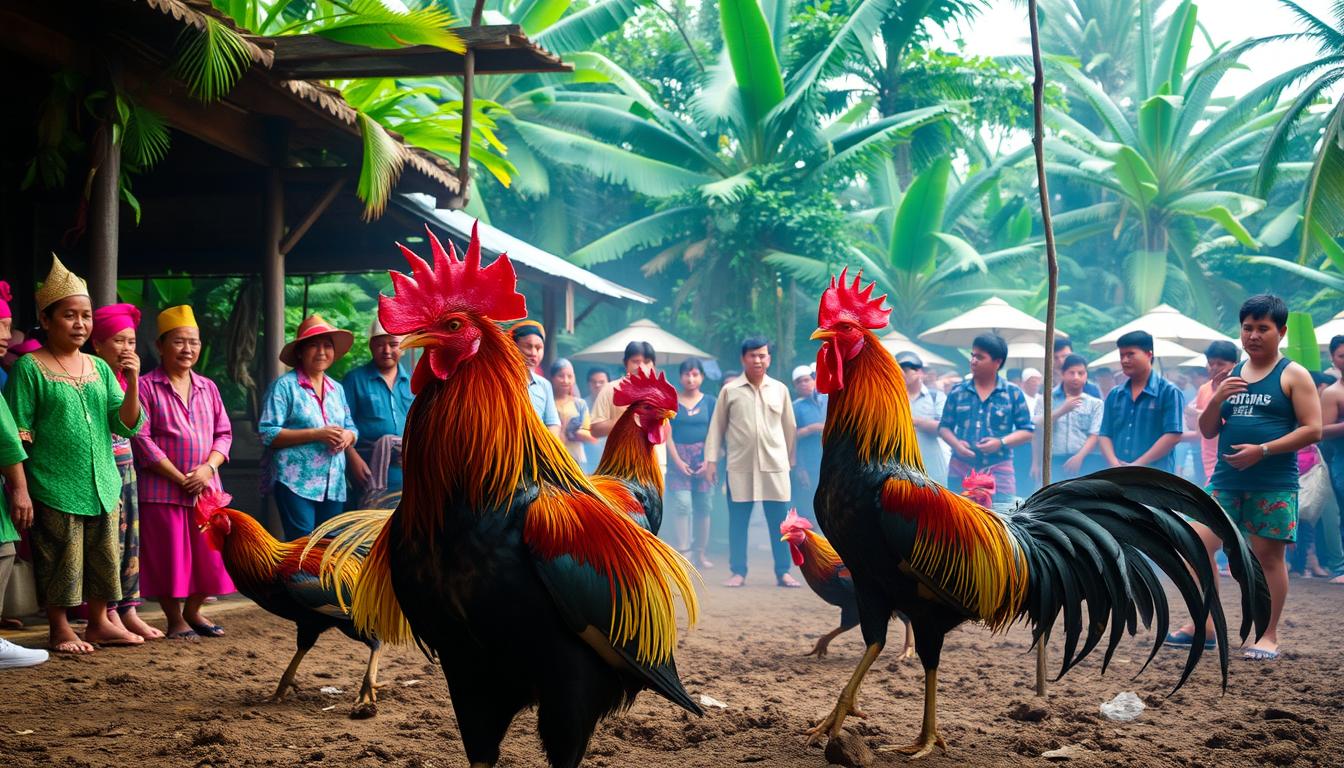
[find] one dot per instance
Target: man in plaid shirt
(984, 418)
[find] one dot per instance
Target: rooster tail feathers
(1100, 540)
(355, 566)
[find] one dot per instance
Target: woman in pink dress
(185, 438)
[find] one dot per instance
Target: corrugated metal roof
(495, 241)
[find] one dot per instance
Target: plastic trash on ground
(1123, 708)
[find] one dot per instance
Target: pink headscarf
(25, 347)
(109, 321)
(5, 298)
(113, 319)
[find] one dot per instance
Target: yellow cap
(180, 316)
(61, 283)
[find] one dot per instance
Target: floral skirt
(128, 533)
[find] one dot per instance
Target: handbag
(1315, 493)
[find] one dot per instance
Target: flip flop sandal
(1180, 639)
(208, 630)
(1260, 654)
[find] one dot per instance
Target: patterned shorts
(76, 557)
(1267, 514)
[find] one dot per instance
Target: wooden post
(1052, 272)
(468, 106)
(104, 217)
(272, 277)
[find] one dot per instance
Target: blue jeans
(739, 520)
(299, 516)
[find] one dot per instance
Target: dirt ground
(203, 704)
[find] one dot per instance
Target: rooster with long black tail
(913, 546)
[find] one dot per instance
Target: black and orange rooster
(533, 586)
(629, 457)
(283, 578)
(941, 559)
(828, 577)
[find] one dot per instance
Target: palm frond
(645, 175)
(210, 61)
(380, 166)
(647, 232)
(372, 24)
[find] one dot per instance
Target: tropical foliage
(1171, 166)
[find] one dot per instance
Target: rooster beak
(669, 415)
(785, 537)
(817, 335)
(414, 340)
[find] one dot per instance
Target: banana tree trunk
(1052, 271)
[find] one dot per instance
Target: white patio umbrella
(897, 342)
(670, 349)
(994, 315)
(1024, 354)
(1165, 322)
(1164, 353)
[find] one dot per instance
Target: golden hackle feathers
(343, 543)
(628, 454)
(964, 549)
(646, 575)
(874, 408)
(819, 558)
(373, 606)
(250, 553)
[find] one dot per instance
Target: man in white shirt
(1077, 416)
(754, 427)
(926, 407)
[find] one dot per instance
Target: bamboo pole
(1052, 271)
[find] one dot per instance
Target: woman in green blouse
(66, 405)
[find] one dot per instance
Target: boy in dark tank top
(1262, 413)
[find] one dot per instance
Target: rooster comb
(453, 285)
(978, 481)
(846, 301)
(211, 502)
(795, 521)
(641, 386)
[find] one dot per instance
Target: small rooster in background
(533, 585)
(829, 578)
(979, 487)
(943, 560)
(629, 457)
(283, 578)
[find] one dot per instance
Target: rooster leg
(909, 642)
(848, 703)
(367, 704)
(287, 679)
(928, 732)
(819, 650)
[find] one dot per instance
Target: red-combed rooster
(533, 587)
(828, 577)
(979, 487)
(282, 577)
(629, 458)
(941, 559)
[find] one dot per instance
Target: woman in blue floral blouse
(306, 425)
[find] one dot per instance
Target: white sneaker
(14, 656)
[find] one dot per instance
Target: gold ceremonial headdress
(180, 316)
(61, 283)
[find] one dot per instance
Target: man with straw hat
(67, 405)
(306, 426)
(379, 393)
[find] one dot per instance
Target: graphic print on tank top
(1259, 415)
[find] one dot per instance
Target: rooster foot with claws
(924, 745)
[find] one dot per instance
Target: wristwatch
(1264, 450)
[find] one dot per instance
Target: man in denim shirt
(984, 418)
(1144, 418)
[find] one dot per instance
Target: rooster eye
(454, 325)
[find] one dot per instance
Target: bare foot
(69, 643)
(11, 624)
(785, 580)
(132, 621)
(1337, 580)
(111, 634)
(737, 580)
